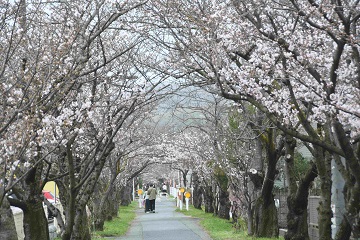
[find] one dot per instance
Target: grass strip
(118, 226)
(220, 229)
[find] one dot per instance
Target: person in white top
(147, 202)
(164, 188)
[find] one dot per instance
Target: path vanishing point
(164, 224)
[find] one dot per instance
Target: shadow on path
(164, 224)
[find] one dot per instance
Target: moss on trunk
(224, 205)
(296, 221)
(81, 228)
(209, 199)
(265, 217)
(7, 224)
(35, 222)
(297, 200)
(197, 193)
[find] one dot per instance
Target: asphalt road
(164, 224)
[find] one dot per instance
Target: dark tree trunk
(224, 204)
(297, 205)
(105, 211)
(323, 164)
(114, 203)
(298, 196)
(125, 195)
(100, 217)
(253, 181)
(197, 193)
(265, 217)
(81, 229)
(209, 199)
(184, 175)
(344, 232)
(250, 216)
(265, 212)
(7, 224)
(94, 204)
(350, 172)
(35, 222)
(349, 225)
(102, 210)
(29, 199)
(76, 189)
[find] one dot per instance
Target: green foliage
(234, 120)
(119, 225)
(301, 165)
(221, 177)
(210, 163)
(140, 182)
(221, 229)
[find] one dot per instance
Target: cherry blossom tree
(9, 39)
(74, 72)
(201, 116)
(126, 162)
(246, 174)
(298, 62)
(69, 88)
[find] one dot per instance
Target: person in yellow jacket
(152, 196)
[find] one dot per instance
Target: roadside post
(187, 198)
(140, 192)
(181, 192)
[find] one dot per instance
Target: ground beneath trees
(164, 224)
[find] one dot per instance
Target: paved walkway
(164, 224)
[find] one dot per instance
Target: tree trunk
(253, 182)
(209, 199)
(184, 175)
(35, 222)
(250, 229)
(76, 189)
(344, 232)
(100, 217)
(265, 217)
(224, 204)
(197, 193)
(298, 196)
(250, 193)
(350, 223)
(265, 212)
(125, 195)
(323, 164)
(114, 202)
(81, 229)
(297, 205)
(102, 211)
(7, 224)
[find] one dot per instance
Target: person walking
(152, 196)
(147, 202)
